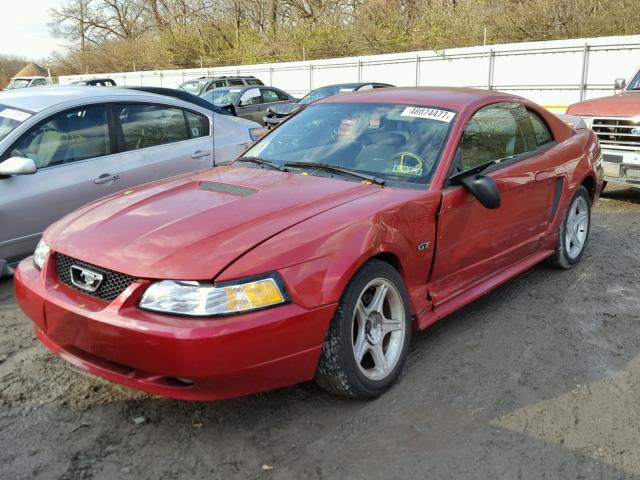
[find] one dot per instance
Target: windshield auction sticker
(16, 115)
(428, 113)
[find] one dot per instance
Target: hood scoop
(226, 188)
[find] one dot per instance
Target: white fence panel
(554, 73)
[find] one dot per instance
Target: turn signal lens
(257, 133)
(40, 254)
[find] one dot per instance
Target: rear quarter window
(542, 131)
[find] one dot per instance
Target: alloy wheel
(379, 328)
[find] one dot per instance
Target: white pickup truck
(23, 82)
(616, 121)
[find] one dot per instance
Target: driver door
(75, 164)
(475, 243)
(250, 105)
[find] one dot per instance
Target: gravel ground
(539, 379)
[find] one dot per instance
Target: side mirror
(484, 188)
(230, 108)
(619, 84)
(17, 166)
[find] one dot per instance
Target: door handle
(106, 178)
(200, 153)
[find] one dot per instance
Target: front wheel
(366, 344)
(574, 231)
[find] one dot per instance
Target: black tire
(561, 257)
(338, 371)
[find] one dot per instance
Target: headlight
(205, 299)
(40, 254)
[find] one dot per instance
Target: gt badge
(423, 246)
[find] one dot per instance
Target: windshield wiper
(260, 161)
(335, 169)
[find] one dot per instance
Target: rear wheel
(366, 344)
(574, 231)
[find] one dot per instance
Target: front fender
(318, 257)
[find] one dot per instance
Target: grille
(113, 284)
(616, 132)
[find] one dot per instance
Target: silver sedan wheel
(577, 227)
(378, 329)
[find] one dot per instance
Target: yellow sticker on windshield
(402, 167)
(407, 170)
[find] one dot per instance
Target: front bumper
(621, 166)
(179, 357)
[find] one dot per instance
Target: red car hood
(192, 227)
(626, 104)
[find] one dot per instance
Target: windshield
(324, 92)
(18, 83)
(222, 96)
(398, 143)
(10, 119)
(194, 87)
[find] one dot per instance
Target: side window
(495, 132)
(270, 96)
(150, 125)
(542, 132)
(251, 97)
(218, 85)
(235, 82)
(39, 82)
(282, 96)
(67, 137)
(198, 124)
(254, 81)
(365, 87)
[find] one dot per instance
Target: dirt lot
(540, 379)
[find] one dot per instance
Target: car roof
(453, 98)
(224, 77)
(37, 99)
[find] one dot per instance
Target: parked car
(96, 82)
(61, 147)
(615, 121)
(204, 84)
(316, 254)
(276, 114)
(24, 82)
(248, 102)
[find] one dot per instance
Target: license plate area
(611, 169)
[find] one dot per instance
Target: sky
(23, 28)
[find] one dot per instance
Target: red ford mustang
(315, 255)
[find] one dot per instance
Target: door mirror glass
(17, 166)
(484, 188)
(229, 108)
(619, 84)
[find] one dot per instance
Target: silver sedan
(62, 147)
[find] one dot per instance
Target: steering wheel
(408, 162)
